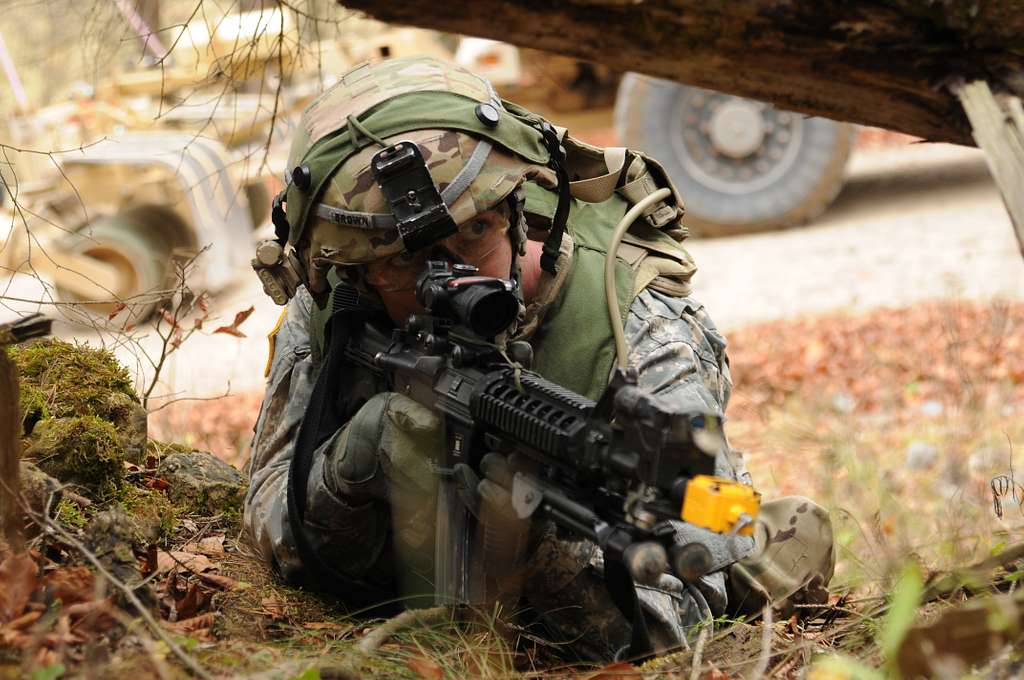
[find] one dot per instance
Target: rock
(39, 490)
(198, 482)
(84, 451)
(116, 537)
(921, 455)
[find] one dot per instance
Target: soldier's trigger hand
(411, 416)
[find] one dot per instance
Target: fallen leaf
(188, 626)
(211, 545)
(715, 674)
(17, 582)
(425, 668)
(62, 634)
(46, 658)
(71, 584)
(274, 606)
(157, 483)
(615, 671)
(95, 616)
(197, 599)
(150, 562)
(225, 582)
(233, 328)
(194, 562)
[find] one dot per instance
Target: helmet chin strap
(553, 243)
(517, 235)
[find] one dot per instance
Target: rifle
(615, 472)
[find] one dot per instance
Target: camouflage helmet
(477, 149)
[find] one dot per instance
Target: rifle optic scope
(483, 304)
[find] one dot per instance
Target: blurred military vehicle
(156, 164)
(151, 167)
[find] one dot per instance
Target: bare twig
(406, 619)
(172, 335)
(698, 652)
(766, 643)
(175, 400)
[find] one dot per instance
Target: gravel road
(913, 223)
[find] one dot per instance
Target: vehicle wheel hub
(733, 145)
(736, 129)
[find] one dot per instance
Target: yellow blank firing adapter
(719, 504)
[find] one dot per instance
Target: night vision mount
(421, 216)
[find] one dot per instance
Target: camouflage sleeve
(680, 356)
(289, 387)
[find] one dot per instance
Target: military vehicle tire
(138, 242)
(741, 166)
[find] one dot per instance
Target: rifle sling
(623, 593)
(328, 412)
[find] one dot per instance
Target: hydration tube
(614, 313)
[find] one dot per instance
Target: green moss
(151, 507)
(160, 450)
(69, 514)
(32, 403)
(85, 451)
(77, 379)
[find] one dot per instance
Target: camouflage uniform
(370, 494)
(681, 357)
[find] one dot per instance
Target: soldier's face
(482, 242)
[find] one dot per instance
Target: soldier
(530, 204)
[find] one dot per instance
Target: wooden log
(12, 539)
(886, 63)
(998, 128)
